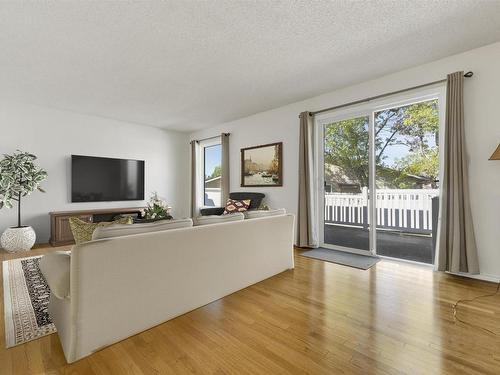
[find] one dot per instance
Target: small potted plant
(19, 177)
(157, 209)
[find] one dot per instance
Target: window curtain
(224, 182)
(195, 209)
(307, 226)
(457, 250)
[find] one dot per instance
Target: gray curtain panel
(306, 219)
(224, 183)
(457, 250)
(195, 210)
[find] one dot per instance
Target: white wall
(482, 99)
(54, 135)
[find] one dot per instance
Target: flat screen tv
(95, 179)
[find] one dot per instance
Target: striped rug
(26, 298)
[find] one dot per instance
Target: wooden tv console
(60, 232)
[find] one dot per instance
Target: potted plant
(157, 209)
(19, 177)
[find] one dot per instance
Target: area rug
(26, 298)
(363, 262)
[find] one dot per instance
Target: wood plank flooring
(319, 318)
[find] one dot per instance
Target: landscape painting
(262, 165)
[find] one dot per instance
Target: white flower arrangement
(157, 208)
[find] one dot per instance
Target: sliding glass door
(346, 183)
(381, 165)
(407, 178)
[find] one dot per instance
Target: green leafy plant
(19, 177)
(156, 208)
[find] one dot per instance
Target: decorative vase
(18, 239)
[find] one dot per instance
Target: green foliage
(346, 146)
(19, 177)
(216, 173)
(412, 126)
(423, 165)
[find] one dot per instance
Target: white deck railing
(405, 209)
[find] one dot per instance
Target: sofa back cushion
(216, 219)
(119, 230)
(264, 213)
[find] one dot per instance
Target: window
(212, 158)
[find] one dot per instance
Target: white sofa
(124, 285)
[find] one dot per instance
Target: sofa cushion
(264, 213)
(118, 230)
(55, 267)
(216, 219)
(82, 231)
(233, 205)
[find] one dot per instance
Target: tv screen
(95, 179)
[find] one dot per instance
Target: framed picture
(262, 165)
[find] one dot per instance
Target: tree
(414, 126)
(19, 177)
(216, 173)
(420, 126)
(423, 165)
(346, 146)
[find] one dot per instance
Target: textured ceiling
(188, 65)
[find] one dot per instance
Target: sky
(397, 151)
(212, 158)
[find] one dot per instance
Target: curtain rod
(467, 75)
(206, 139)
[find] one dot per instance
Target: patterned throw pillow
(233, 205)
(82, 231)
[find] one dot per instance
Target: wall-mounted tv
(95, 179)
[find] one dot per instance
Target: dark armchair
(255, 201)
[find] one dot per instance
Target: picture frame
(262, 166)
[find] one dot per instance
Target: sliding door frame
(321, 122)
(369, 109)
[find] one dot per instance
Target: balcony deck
(400, 245)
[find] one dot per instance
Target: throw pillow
(82, 231)
(233, 205)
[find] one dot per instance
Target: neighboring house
(212, 192)
(213, 183)
(336, 180)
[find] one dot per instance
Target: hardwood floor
(320, 318)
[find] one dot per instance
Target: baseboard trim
(489, 278)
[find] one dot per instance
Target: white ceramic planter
(18, 239)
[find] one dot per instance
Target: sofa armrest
(212, 211)
(55, 267)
